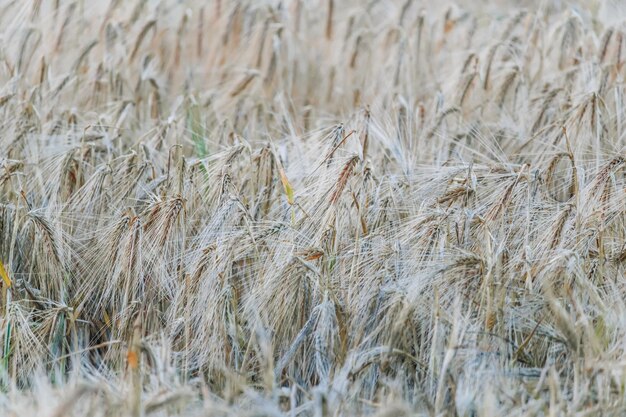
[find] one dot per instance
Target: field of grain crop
(324, 208)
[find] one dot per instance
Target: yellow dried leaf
(286, 185)
(4, 275)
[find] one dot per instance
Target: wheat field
(312, 208)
